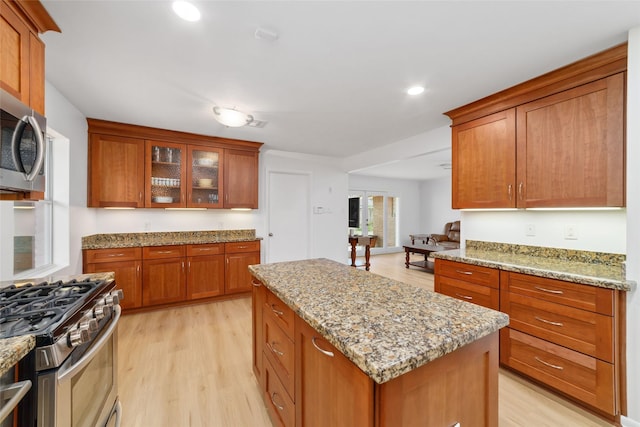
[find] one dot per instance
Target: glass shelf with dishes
(204, 177)
(166, 174)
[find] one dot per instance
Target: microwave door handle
(15, 147)
(37, 164)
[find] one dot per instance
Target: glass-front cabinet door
(204, 177)
(165, 174)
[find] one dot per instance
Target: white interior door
(289, 216)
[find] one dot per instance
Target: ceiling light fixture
(186, 11)
(231, 117)
(416, 90)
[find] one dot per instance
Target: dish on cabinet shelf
(205, 182)
(162, 199)
(205, 162)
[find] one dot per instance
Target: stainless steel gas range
(73, 367)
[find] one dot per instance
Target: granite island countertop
(128, 240)
(584, 267)
(385, 327)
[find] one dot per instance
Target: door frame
(309, 176)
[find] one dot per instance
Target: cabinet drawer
(581, 330)
(235, 247)
(205, 249)
(586, 297)
(112, 255)
(470, 292)
(156, 252)
(283, 315)
(280, 406)
(469, 273)
(279, 349)
(583, 377)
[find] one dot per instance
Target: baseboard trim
(628, 422)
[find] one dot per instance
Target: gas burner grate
(34, 308)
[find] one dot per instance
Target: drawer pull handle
(540, 319)
(549, 364)
(325, 352)
(551, 291)
(273, 349)
(278, 312)
(164, 252)
(242, 247)
(468, 273)
(273, 400)
(256, 284)
(112, 255)
(464, 297)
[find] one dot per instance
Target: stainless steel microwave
(22, 147)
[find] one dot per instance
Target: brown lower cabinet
(566, 336)
(158, 276)
(126, 263)
(318, 386)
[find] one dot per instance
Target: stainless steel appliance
(73, 368)
(22, 146)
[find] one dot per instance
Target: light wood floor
(191, 366)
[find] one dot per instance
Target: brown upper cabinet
(22, 51)
(135, 166)
(554, 141)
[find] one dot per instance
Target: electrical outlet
(530, 230)
(571, 232)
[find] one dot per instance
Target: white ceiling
(334, 81)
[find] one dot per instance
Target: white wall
(409, 206)
(65, 119)
(600, 231)
(435, 205)
(633, 228)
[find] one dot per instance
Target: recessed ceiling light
(186, 11)
(416, 90)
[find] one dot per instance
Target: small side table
(367, 242)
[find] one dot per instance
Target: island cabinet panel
(258, 300)
(330, 389)
(280, 406)
(554, 141)
(126, 264)
(434, 394)
(472, 283)
(566, 336)
(484, 162)
(116, 172)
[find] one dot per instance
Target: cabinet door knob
(520, 186)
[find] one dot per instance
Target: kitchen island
(338, 346)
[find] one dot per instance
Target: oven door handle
(15, 393)
(96, 347)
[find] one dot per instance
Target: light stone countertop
(128, 240)
(385, 327)
(13, 349)
(590, 268)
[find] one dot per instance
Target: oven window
(91, 387)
